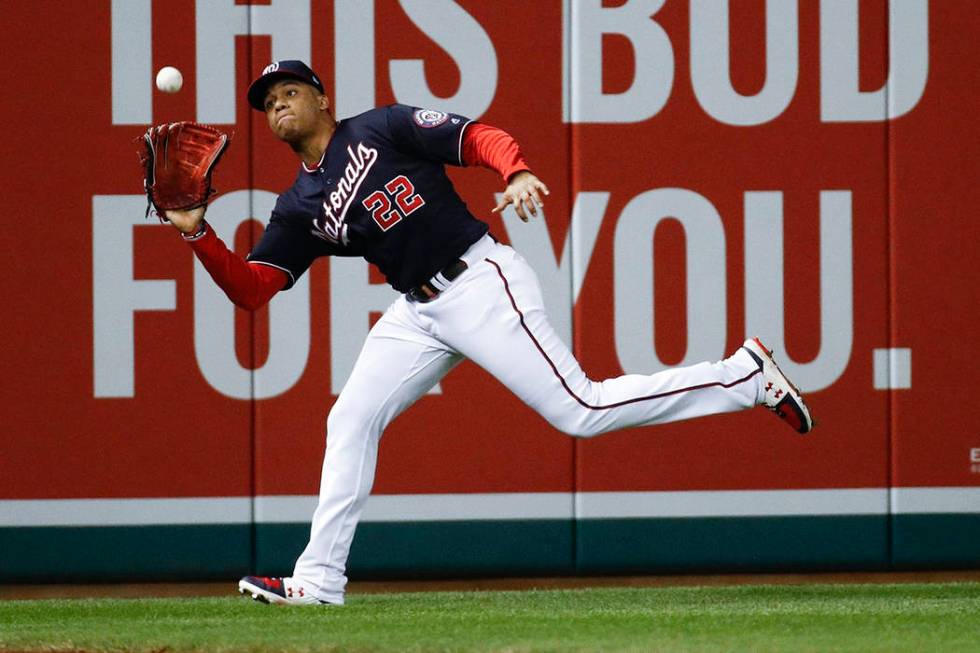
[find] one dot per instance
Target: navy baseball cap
(275, 71)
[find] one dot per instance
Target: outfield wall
(801, 171)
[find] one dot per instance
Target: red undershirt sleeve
(249, 285)
(492, 148)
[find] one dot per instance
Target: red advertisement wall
(801, 171)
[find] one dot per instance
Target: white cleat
(782, 397)
(278, 591)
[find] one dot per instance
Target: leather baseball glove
(178, 159)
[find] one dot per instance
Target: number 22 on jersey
(400, 201)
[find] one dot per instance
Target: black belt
(427, 291)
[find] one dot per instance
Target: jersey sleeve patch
(429, 118)
(425, 133)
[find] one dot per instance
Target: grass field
(900, 617)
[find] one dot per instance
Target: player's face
(294, 110)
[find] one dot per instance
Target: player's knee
(353, 420)
(342, 419)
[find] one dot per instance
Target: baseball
(169, 79)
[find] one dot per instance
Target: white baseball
(169, 79)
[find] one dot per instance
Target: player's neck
(310, 150)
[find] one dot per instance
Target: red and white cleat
(280, 591)
(781, 396)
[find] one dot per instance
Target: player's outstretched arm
(248, 285)
(494, 148)
(524, 191)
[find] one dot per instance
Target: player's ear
(324, 102)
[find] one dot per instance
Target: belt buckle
(423, 293)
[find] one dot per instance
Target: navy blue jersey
(381, 192)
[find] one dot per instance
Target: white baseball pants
(494, 315)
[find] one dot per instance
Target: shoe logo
(274, 583)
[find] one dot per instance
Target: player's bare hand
(524, 191)
(187, 222)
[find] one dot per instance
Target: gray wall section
(434, 549)
(123, 553)
(732, 544)
(500, 548)
(936, 541)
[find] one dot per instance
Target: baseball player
(375, 186)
